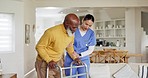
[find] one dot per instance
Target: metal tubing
(47, 72)
(71, 67)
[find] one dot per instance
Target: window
(6, 33)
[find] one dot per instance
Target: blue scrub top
(81, 43)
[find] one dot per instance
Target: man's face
(73, 25)
(69, 32)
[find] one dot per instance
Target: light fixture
(50, 8)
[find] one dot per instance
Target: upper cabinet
(110, 29)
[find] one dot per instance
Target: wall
(138, 35)
(43, 23)
(13, 62)
(132, 36)
(29, 49)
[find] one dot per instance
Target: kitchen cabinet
(111, 32)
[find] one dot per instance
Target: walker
(71, 66)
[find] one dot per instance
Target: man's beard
(69, 32)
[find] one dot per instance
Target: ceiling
(17, 0)
(55, 11)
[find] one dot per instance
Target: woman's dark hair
(89, 17)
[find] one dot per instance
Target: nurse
(84, 44)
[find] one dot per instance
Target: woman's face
(86, 24)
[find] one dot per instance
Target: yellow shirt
(52, 44)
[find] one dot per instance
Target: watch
(80, 55)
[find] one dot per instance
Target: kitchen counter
(132, 55)
(101, 48)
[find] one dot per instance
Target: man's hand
(52, 64)
(77, 61)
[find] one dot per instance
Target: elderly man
(51, 45)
